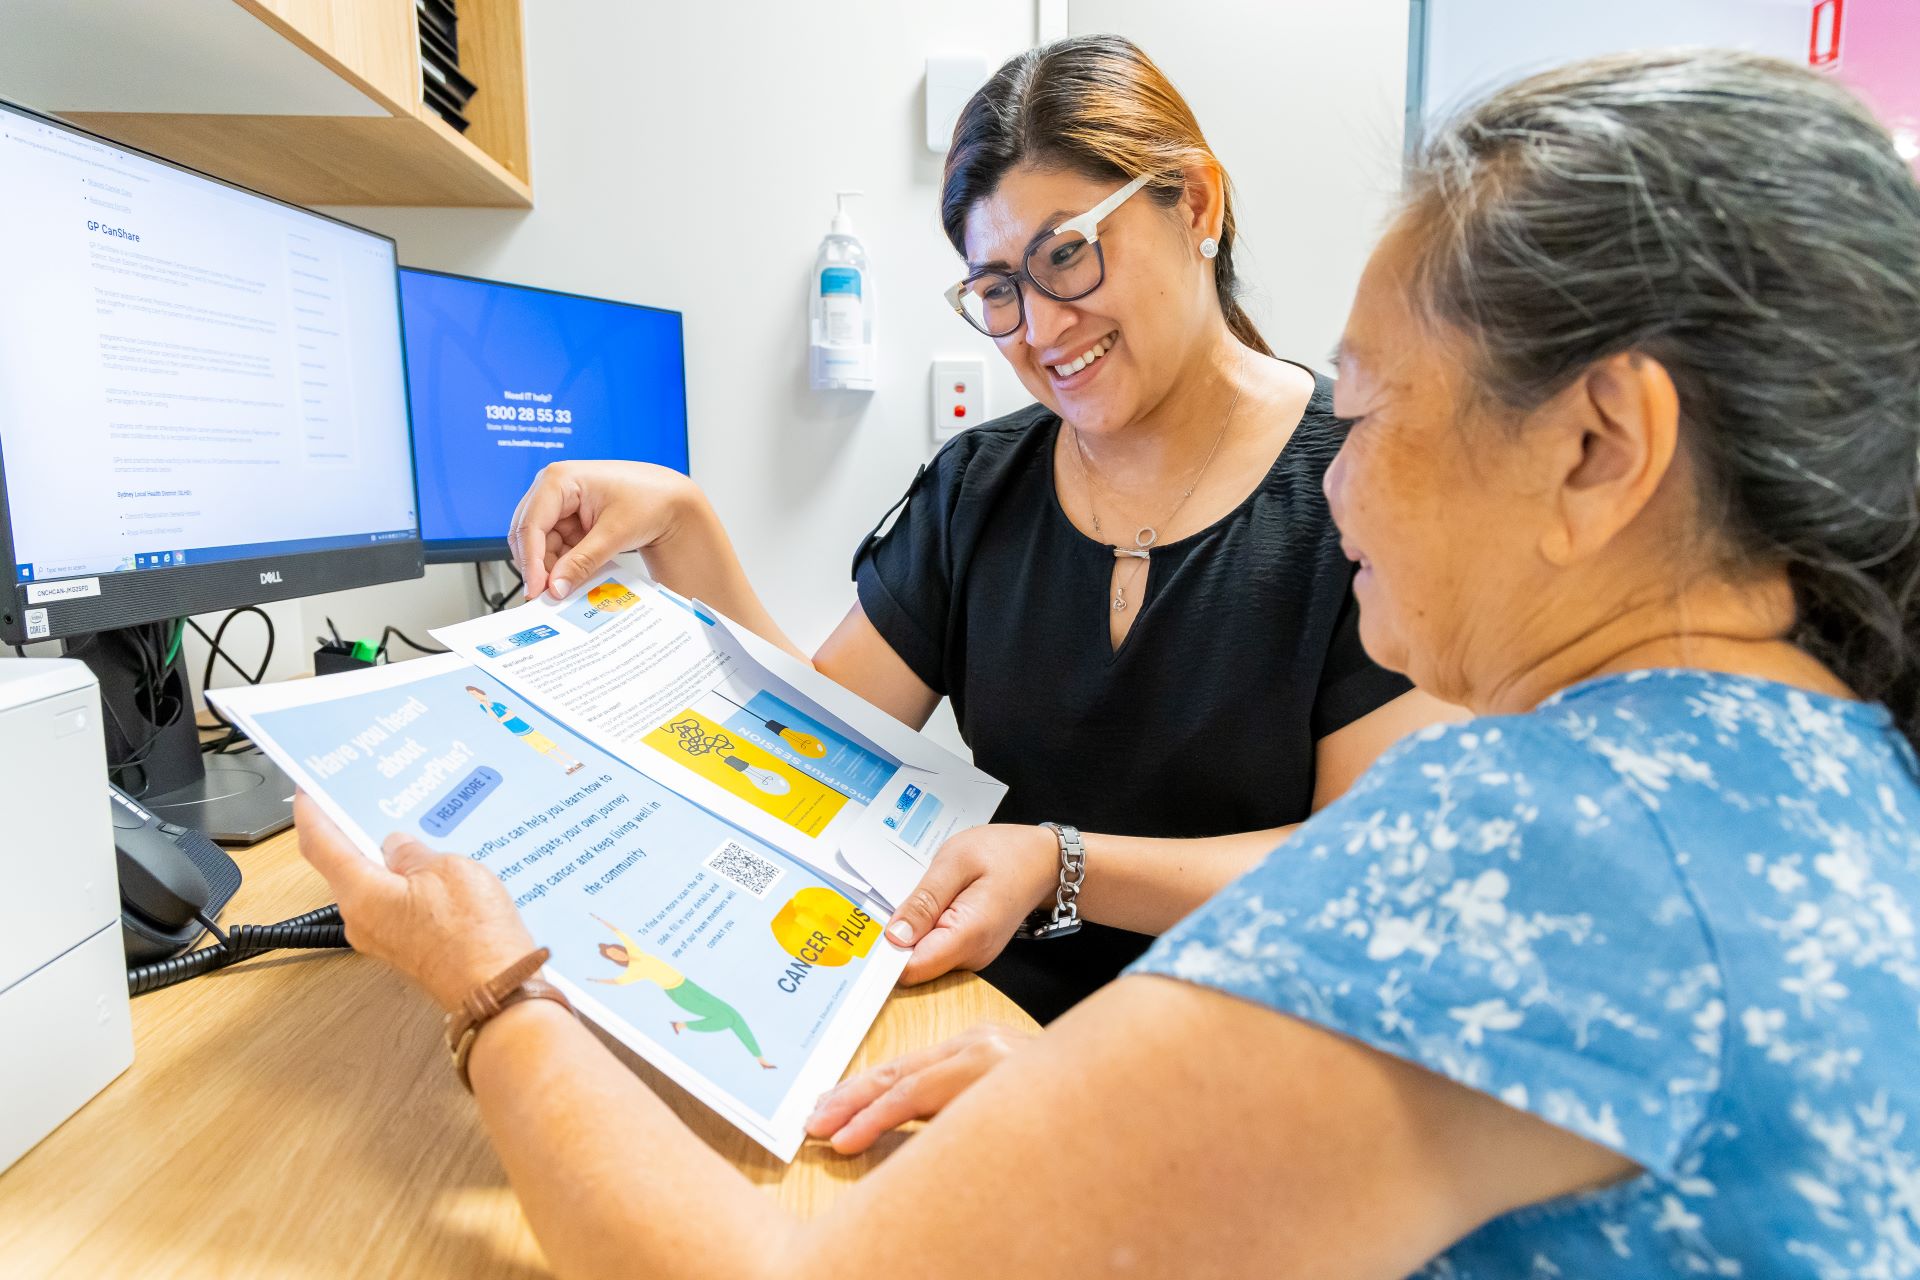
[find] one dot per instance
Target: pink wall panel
(1880, 58)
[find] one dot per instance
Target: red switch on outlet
(959, 391)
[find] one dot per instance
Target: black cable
(156, 665)
(235, 735)
(315, 929)
(146, 698)
(487, 597)
(508, 596)
(212, 926)
(397, 634)
(134, 757)
(163, 652)
(217, 652)
(235, 739)
(214, 650)
(497, 603)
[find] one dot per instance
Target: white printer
(65, 1025)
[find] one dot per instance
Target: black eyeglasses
(1065, 264)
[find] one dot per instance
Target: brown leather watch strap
(485, 1002)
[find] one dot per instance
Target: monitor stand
(237, 799)
(242, 799)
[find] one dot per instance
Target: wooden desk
(294, 1116)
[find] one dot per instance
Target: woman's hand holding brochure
(442, 920)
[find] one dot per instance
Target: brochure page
(736, 725)
(718, 954)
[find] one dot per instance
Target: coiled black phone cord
(315, 929)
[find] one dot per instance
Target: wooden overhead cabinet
(314, 101)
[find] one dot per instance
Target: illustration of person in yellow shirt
(525, 732)
(710, 1012)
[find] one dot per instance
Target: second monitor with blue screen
(505, 379)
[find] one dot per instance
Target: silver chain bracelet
(1064, 917)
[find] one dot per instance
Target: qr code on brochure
(733, 861)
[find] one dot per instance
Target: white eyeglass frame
(1087, 225)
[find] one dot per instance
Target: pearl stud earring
(1209, 247)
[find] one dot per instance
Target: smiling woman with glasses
(1131, 590)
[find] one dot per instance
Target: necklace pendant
(1119, 603)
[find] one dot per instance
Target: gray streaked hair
(1749, 225)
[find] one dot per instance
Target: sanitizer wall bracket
(840, 352)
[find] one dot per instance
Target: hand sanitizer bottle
(841, 351)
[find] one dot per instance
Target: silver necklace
(1146, 536)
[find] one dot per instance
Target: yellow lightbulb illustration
(805, 743)
(765, 779)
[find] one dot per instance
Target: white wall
(686, 156)
(1473, 46)
(1303, 101)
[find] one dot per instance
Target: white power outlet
(959, 396)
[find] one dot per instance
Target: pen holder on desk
(333, 658)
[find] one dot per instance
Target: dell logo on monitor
(270, 577)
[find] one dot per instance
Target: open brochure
(706, 832)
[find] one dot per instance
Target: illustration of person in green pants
(710, 1012)
(525, 732)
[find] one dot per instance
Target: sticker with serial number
(71, 589)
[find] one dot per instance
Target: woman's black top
(1244, 652)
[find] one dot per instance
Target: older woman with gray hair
(1617, 979)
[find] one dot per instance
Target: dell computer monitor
(505, 379)
(203, 405)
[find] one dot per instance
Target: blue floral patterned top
(1673, 912)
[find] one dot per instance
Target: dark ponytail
(1748, 224)
(1095, 105)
